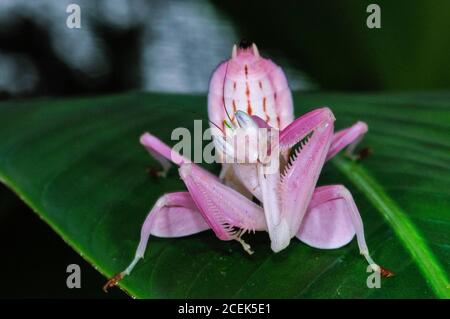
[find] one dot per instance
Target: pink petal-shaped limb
(332, 220)
(164, 154)
(223, 208)
(328, 223)
(303, 125)
(161, 152)
(247, 173)
(301, 175)
(285, 201)
(210, 204)
(173, 215)
(350, 137)
(347, 137)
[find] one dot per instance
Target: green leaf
(79, 165)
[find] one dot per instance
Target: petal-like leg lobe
(164, 154)
(173, 215)
(161, 151)
(324, 194)
(222, 207)
(327, 223)
(347, 137)
(332, 220)
(303, 125)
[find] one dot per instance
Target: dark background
(173, 46)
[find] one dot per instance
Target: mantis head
(247, 142)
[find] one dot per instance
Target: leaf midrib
(399, 221)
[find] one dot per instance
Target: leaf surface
(79, 165)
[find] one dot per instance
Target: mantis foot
(361, 155)
(364, 153)
(246, 246)
(113, 281)
(153, 172)
(386, 273)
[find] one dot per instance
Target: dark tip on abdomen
(245, 44)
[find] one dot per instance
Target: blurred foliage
(121, 45)
(173, 46)
(329, 40)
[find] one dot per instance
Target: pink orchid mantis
(255, 92)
